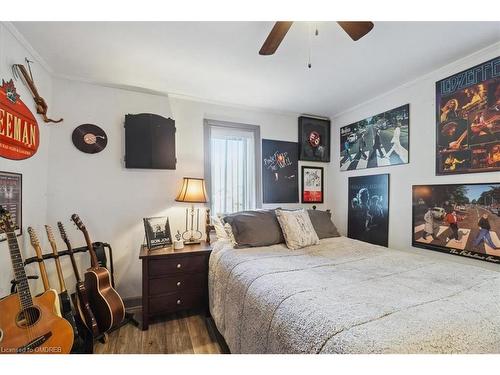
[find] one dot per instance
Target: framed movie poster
(376, 141)
(368, 211)
(312, 185)
(314, 139)
(157, 232)
(11, 198)
(280, 171)
(468, 120)
(460, 219)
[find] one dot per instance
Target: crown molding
(486, 51)
(22, 40)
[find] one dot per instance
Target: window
(232, 170)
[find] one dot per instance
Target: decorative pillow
(322, 223)
(297, 228)
(255, 228)
(229, 234)
(220, 231)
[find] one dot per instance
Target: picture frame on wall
(314, 139)
(312, 184)
(377, 141)
(368, 209)
(468, 121)
(280, 171)
(11, 198)
(458, 219)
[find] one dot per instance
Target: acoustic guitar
(66, 308)
(28, 324)
(82, 299)
(43, 271)
(105, 301)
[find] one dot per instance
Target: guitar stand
(129, 317)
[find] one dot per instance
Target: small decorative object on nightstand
(174, 280)
(192, 191)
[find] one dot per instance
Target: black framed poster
(376, 141)
(280, 171)
(459, 219)
(11, 198)
(468, 120)
(368, 211)
(157, 232)
(314, 139)
(312, 184)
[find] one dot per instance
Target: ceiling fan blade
(356, 29)
(275, 37)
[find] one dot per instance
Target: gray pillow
(255, 228)
(322, 223)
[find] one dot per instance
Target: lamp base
(192, 242)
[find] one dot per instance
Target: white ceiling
(219, 61)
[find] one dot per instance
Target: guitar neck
(73, 261)
(93, 257)
(41, 265)
(23, 288)
(60, 276)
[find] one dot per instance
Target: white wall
(34, 169)
(421, 169)
(112, 200)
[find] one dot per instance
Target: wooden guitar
(82, 299)
(28, 324)
(66, 308)
(106, 303)
(43, 272)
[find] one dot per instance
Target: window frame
(208, 124)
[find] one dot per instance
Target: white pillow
(220, 231)
(223, 231)
(297, 228)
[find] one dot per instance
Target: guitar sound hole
(1, 335)
(28, 317)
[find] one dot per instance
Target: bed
(347, 296)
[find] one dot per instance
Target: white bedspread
(347, 296)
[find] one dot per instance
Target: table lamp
(192, 191)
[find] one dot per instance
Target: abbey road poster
(460, 219)
(468, 120)
(376, 141)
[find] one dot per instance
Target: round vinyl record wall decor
(89, 138)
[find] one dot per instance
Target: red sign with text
(19, 133)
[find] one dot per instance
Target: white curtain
(232, 163)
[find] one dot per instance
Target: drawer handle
(178, 283)
(179, 265)
(179, 301)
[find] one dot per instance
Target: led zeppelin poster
(19, 134)
(468, 120)
(11, 193)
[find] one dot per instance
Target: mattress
(347, 296)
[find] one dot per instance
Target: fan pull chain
(316, 33)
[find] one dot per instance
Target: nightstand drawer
(162, 267)
(177, 301)
(180, 282)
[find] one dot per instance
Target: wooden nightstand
(174, 280)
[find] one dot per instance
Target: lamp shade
(192, 191)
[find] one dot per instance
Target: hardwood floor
(181, 333)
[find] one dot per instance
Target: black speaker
(149, 142)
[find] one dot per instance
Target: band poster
(468, 120)
(11, 198)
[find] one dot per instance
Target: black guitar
(79, 345)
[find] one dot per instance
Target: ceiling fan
(355, 29)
